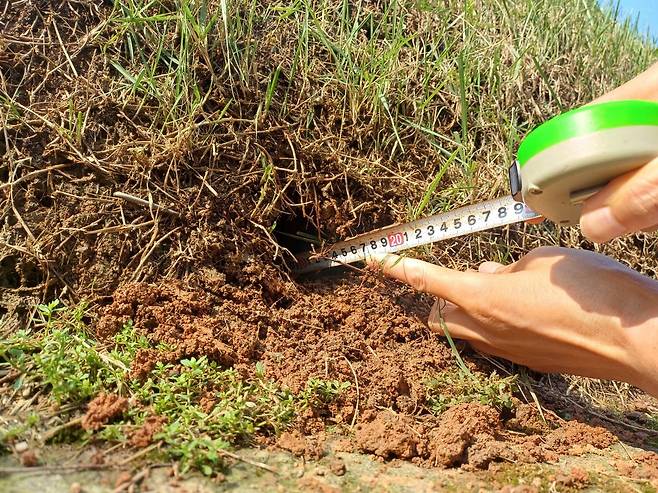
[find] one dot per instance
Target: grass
(71, 368)
(432, 98)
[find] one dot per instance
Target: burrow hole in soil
(9, 276)
(295, 232)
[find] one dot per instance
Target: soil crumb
(337, 466)
(29, 458)
(102, 409)
(143, 437)
(300, 445)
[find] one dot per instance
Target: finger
(548, 366)
(459, 324)
(444, 283)
(627, 204)
(491, 267)
(642, 86)
(486, 348)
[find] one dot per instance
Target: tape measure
(559, 165)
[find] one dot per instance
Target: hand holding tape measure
(556, 309)
(560, 165)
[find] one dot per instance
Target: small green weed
(452, 388)
(62, 355)
(321, 392)
(204, 408)
(462, 385)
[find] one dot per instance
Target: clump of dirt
(143, 436)
(102, 409)
(643, 466)
(389, 436)
(460, 427)
(484, 453)
(29, 458)
(192, 322)
(527, 419)
(337, 466)
(573, 437)
(576, 478)
(301, 445)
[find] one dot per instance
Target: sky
(647, 10)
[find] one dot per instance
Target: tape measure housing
(570, 157)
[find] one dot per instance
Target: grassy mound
(163, 161)
(148, 139)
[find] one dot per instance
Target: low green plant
(451, 388)
(61, 355)
(204, 408)
(321, 392)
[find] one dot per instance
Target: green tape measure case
(564, 161)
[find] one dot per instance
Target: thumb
(627, 204)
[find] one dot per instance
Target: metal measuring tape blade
(451, 224)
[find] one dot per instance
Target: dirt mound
(169, 183)
(349, 327)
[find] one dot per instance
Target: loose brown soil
(102, 409)
(143, 436)
(353, 327)
(202, 268)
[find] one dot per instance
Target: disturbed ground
(357, 328)
(594, 470)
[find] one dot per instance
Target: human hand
(627, 204)
(555, 310)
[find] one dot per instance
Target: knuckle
(645, 202)
(417, 278)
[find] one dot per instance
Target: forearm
(644, 86)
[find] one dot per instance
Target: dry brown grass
(142, 140)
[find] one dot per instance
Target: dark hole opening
(296, 233)
(9, 276)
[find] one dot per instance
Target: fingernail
(434, 320)
(601, 225)
(435, 312)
